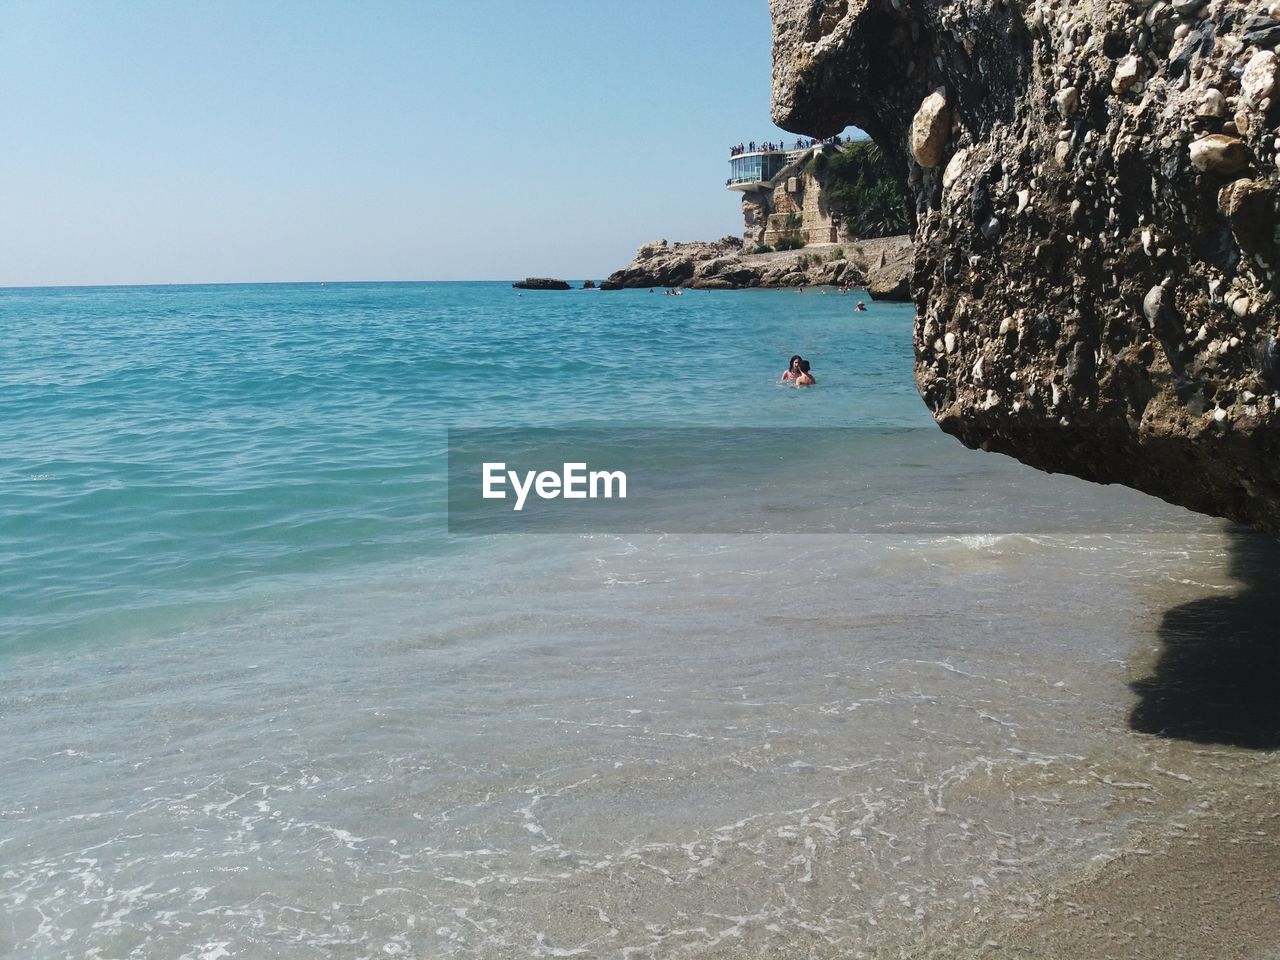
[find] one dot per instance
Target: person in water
(797, 372)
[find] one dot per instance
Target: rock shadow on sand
(1217, 679)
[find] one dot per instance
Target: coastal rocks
(663, 264)
(1217, 153)
(541, 283)
(1129, 72)
(1067, 100)
(1158, 307)
(1095, 200)
(929, 130)
(955, 167)
(884, 265)
(1263, 31)
(1212, 105)
(889, 278)
(588, 284)
(755, 217)
(1260, 77)
(1250, 208)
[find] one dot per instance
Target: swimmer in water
(793, 370)
(806, 379)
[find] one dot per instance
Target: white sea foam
(779, 742)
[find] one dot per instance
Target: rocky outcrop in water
(722, 265)
(888, 275)
(663, 264)
(541, 283)
(1095, 201)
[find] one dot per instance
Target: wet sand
(1204, 885)
(826, 748)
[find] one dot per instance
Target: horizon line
(249, 283)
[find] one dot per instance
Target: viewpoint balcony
(755, 169)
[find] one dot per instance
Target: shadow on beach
(1217, 679)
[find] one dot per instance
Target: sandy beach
(1202, 885)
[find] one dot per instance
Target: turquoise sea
(258, 702)
(164, 448)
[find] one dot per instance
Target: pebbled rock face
(1096, 244)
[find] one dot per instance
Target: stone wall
(766, 213)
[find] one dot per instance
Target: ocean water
(171, 446)
(258, 702)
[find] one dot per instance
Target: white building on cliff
(781, 200)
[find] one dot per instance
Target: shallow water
(314, 725)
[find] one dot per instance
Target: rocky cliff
(1095, 201)
(882, 266)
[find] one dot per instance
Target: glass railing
(758, 168)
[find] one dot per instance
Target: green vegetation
(762, 248)
(790, 237)
(837, 254)
(859, 184)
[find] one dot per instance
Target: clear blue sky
(160, 142)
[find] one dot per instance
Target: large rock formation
(889, 271)
(881, 265)
(541, 283)
(663, 264)
(1095, 188)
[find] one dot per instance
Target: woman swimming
(793, 370)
